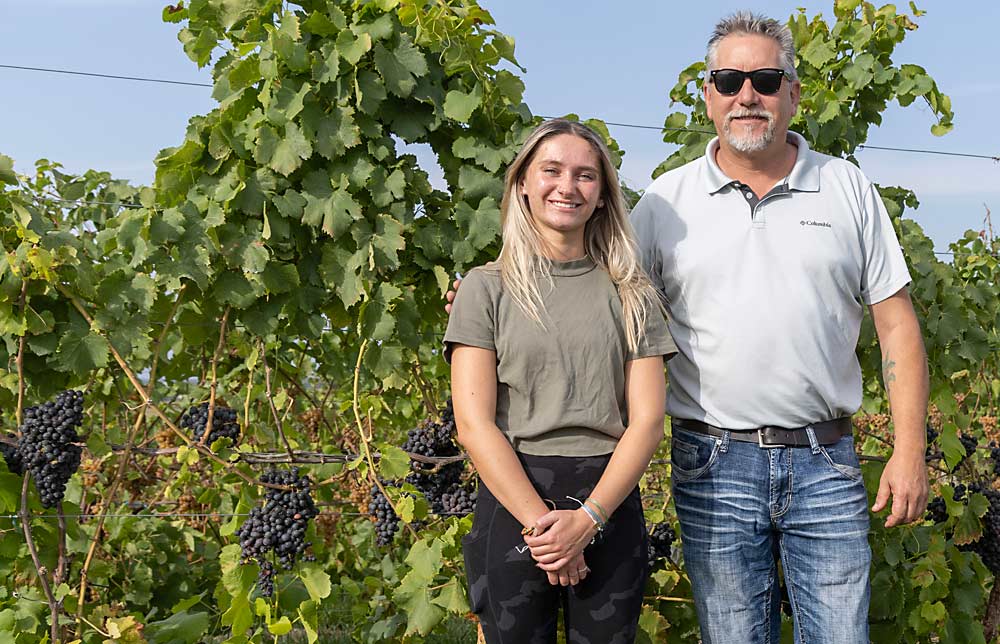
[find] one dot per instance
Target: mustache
(745, 113)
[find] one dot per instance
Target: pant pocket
(691, 454)
(842, 458)
(474, 552)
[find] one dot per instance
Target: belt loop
(813, 442)
(724, 447)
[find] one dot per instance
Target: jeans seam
(789, 587)
(788, 497)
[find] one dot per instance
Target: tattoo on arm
(888, 371)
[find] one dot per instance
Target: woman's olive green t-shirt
(561, 388)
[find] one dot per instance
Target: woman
(557, 380)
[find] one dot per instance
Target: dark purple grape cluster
(458, 502)
(970, 444)
(386, 521)
(995, 458)
(937, 511)
(224, 423)
(661, 537)
(49, 447)
(279, 525)
(437, 439)
(9, 452)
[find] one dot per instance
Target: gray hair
(749, 23)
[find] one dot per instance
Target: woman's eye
(550, 171)
(587, 177)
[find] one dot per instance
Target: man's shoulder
(837, 169)
(674, 178)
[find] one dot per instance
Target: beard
(749, 143)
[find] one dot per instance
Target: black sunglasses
(730, 81)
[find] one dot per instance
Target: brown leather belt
(827, 432)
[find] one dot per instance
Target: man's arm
(904, 372)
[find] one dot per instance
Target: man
(766, 253)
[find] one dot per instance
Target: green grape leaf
(422, 615)
(308, 615)
(10, 491)
(282, 626)
(316, 581)
(378, 320)
(460, 105)
(482, 224)
(81, 351)
(290, 151)
(969, 528)
(400, 67)
(393, 462)
(452, 598)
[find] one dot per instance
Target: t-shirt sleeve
(656, 340)
(885, 269)
(471, 321)
(643, 219)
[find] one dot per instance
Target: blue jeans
(743, 508)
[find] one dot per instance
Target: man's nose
(747, 95)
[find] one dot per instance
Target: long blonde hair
(608, 237)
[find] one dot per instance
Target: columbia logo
(810, 222)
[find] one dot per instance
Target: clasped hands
(557, 545)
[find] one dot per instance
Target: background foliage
(289, 263)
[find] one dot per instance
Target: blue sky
(611, 60)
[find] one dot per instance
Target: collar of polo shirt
(804, 176)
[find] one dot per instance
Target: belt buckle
(762, 444)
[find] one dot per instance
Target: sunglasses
(730, 81)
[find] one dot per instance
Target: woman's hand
(571, 574)
(563, 534)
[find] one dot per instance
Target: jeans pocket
(691, 454)
(842, 458)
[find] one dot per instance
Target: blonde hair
(608, 237)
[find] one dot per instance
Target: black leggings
(514, 600)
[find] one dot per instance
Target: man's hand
(905, 480)
(450, 295)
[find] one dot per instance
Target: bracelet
(597, 506)
(593, 517)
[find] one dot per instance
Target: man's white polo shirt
(766, 297)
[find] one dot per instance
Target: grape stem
(30, 541)
(366, 439)
(20, 357)
(215, 382)
(270, 400)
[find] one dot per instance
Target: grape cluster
(988, 545)
(432, 438)
(937, 511)
(460, 501)
(49, 446)
(386, 521)
(224, 423)
(279, 525)
(995, 457)
(661, 537)
(970, 444)
(9, 452)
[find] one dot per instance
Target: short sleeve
(656, 340)
(472, 314)
(643, 220)
(885, 269)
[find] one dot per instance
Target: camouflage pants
(513, 598)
